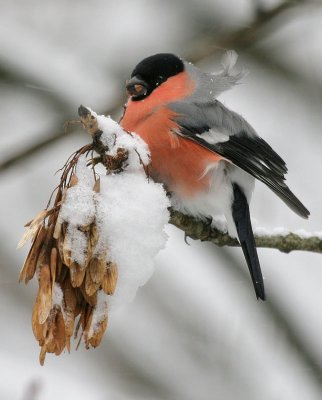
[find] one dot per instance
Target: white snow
(260, 231)
(78, 208)
(76, 241)
(131, 216)
(302, 233)
(130, 212)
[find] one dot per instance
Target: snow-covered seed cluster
(72, 272)
(95, 246)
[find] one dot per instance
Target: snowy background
(195, 330)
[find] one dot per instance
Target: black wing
(241, 146)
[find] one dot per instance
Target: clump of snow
(131, 216)
(77, 242)
(78, 208)
(130, 213)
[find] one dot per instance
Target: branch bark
(202, 230)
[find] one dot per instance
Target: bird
(206, 155)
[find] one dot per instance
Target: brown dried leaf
(97, 268)
(53, 266)
(44, 293)
(60, 246)
(77, 274)
(58, 229)
(90, 286)
(28, 270)
(33, 228)
(89, 250)
(110, 279)
(42, 259)
(90, 299)
(50, 339)
(59, 269)
(59, 333)
(37, 328)
(70, 302)
(93, 238)
(99, 330)
(42, 355)
(66, 251)
(49, 234)
(73, 180)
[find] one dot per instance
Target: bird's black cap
(156, 69)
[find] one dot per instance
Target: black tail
(240, 211)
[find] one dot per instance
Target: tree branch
(202, 230)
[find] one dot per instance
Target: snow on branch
(279, 239)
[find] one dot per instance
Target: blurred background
(195, 331)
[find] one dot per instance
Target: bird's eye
(136, 89)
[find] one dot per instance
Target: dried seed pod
(98, 331)
(77, 274)
(73, 180)
(110, 279)
(28, 270)
(42, 355)
(97, 268)
(60, 245)
(59, 269)
(53, 266)
(93, 238)
(89, 250)
(90, 299)
(49, 234)
(42, 259)
(58, 229)
(33, 228)
(37, 328)
(44, 293)
(59, 332)
(91, 287)
(67, 253)
(49, 336)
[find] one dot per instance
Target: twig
(201, 230)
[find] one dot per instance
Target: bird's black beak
(136, 87)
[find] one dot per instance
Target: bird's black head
(152, 72)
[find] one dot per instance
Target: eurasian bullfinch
(206, 155)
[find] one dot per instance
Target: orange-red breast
(206, 155)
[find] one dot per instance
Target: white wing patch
(213, 137)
